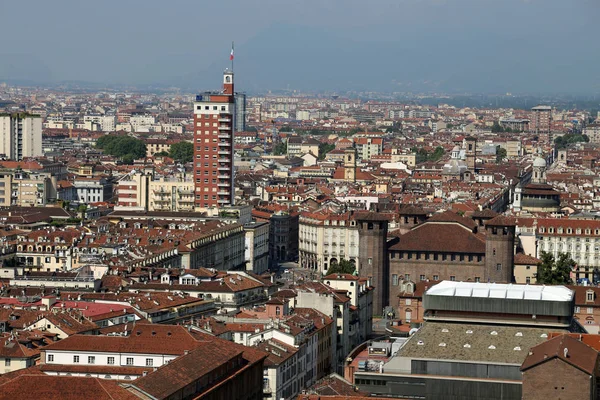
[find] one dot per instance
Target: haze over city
(517, 46)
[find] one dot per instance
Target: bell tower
(350, 164)
(471, 153)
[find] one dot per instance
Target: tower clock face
(228, 79)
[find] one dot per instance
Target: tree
(555, 272)
(325, 148)
(286, 128)
(342, 267)
(161, 154)
(280, 149)
(500, 154)
(182, 152)
(82, 209)
(121, 145)
(497, 127)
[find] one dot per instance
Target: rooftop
(471, 342)
(501, 291)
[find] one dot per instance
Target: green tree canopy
(500, 155)
(121, 146)
(342, 267)
(280, 149)
(562, 142)
(182, 152)
(552, 271)
(325, 148)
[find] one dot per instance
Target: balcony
(224, 152)
(224, 184)
(224, 127)
(224, 160)
(162, 200)
(224, 136)
(186, 191)
(223, 193)
(227, 144)
(223, 176)
(224, 168)
(224, 119)
(223, 201)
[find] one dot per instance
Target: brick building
(214, 113)
(561, 368)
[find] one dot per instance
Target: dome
(456, 148)
(539, 162)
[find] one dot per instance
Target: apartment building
(141, 192)
(26, 189)
(326, 238)
(257, 247)
(366, 147)
(20, 135)
(214, 116)
(541, 119)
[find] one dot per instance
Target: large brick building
(214, 113)
(450, 247)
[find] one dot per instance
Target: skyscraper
(541, 118)
(20, 135)
(214, 116)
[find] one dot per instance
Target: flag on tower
(231, 55)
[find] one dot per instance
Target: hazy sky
(451, 45)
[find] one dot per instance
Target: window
(528, 280)
(149, 362)
(436, 277)
(50, 357)
(577, 309)
(75, 359)
(590, 310)
(394, 279)
(590, 296)
(111, 361)
(129, 361)
(7, 362)
(452, 277)
(91, 360)
(498, 267)
(407, 277)
(477, 279)
(422, 277)
(408, 302)
(370, 261)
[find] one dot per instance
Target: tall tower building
(373, 256)
(20, 135)
(500, 250)
(541, 118)
(214, 116)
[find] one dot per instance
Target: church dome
(539, 162)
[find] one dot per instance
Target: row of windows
(109, 360)
(436, 256)
(570, 231)
(215, 108)
(395, 280)
(589, 310)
